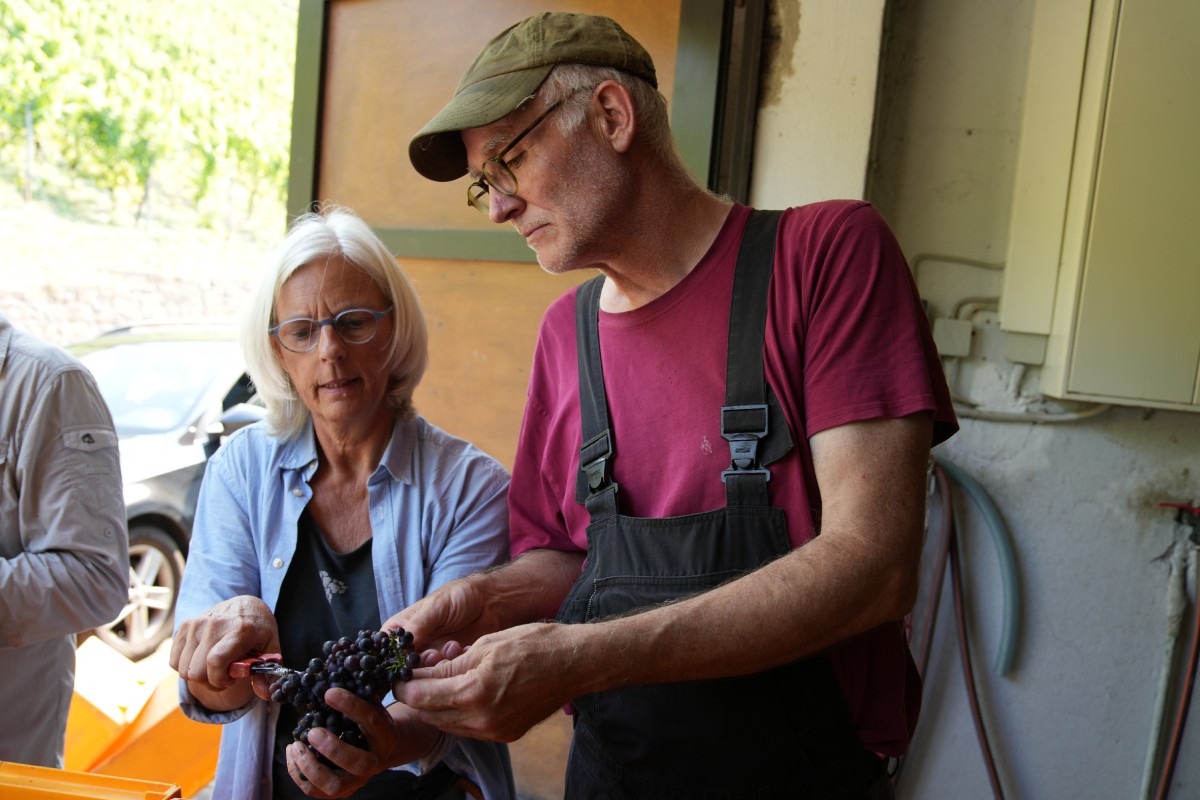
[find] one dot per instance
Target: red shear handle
(243, 667)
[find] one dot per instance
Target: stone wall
(67, 279)
(63, 314)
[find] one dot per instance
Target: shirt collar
(301, 453)
(398, 457)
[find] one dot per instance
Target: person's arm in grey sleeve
(72, 571)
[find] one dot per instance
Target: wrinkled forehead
(331, 282)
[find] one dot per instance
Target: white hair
(650, 106)
(318, 236)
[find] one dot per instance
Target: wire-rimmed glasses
(497, 173)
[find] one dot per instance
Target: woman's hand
(394, 736)
(205, 646)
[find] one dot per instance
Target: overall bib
(783, 733)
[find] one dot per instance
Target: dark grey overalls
(783, 733)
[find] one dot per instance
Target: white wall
(1073, 718)
(817, 102)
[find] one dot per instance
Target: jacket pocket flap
(88, 438)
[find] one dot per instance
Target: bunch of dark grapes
(367, 665)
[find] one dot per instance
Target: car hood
(147, 456)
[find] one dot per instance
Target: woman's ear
(616, 121)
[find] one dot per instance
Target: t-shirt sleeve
(868, 352)
(544, 467)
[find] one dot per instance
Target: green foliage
(124, 91)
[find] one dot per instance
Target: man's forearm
(44, 595)
(859, 573)
(531, 587)
(782, 612)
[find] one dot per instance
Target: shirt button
(277, 563)
(298, 492)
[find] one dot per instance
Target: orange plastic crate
(26, 782)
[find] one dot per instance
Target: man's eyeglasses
(498, 174)
(354, 326)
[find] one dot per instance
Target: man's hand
(528, 589)
(394, 736)
(446, 620)
(502, 686)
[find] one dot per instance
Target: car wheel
(155, 571)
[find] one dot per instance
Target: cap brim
(437, 151)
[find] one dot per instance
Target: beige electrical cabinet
(1103, 255)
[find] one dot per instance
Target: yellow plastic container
(26, 782)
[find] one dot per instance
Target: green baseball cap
(509, 70)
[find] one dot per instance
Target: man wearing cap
(732, 384)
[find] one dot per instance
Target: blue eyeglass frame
(321, 323)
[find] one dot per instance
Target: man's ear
(615, 120)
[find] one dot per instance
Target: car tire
(155, 572)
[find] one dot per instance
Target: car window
(153, 387)
(242, 392)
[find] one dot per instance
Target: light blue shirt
(439, 511)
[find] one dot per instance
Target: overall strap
(745, 418)
(751, 420)
(596, 454)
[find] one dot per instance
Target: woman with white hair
(339, 509)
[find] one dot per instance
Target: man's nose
(503, 206)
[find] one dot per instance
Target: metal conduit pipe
(1176, 603)
(1187, 516)
(1185, 701)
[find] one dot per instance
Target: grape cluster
(367, 665)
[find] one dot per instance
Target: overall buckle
(594, 460)
(743, 427)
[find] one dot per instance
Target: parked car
(174, 391)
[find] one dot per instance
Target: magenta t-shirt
(846, 340)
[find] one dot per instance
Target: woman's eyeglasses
(354, 326)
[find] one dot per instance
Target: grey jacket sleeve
(64, 563)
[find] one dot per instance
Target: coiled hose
(943, 472)
(1006, 651)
